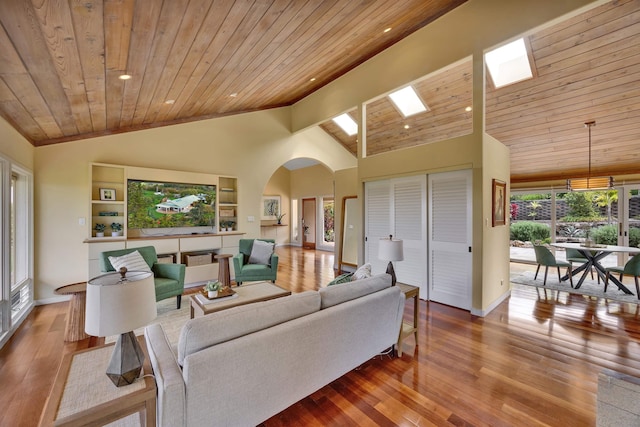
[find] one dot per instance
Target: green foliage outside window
(529, 231)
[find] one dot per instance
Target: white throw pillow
(132, 261)
(261, 252)
(362, 272)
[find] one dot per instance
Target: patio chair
(546, 258)
(631, 268)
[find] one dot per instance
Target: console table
(83, 395)
(406, 329)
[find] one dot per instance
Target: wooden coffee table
(255, 292)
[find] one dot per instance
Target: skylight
(347, 124)
(509, 63)
(407, 101)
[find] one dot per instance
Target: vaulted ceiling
(196, 59)
(585, 68)
(188, 59)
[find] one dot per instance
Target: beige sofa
(241, 366)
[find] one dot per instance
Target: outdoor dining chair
(546, 258)
(631, 268)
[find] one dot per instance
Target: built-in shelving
(108, 204)
(108, 194)
(227, 204)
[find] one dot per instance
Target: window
(16, 260)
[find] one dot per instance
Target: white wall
(249, 146)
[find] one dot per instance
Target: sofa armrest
(238, 261)
(171, 405)
(274, 261)
(170, 271)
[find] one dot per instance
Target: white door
(397, 207)
(450, 237)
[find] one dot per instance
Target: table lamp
(118, 303)
(390, 250)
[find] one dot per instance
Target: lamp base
(392, 272)
(126, 360)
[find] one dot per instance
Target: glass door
(629, 229)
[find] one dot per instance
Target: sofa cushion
(235, 322)
(343, 292)
(363, 272)
(261, 252)
(132, 261)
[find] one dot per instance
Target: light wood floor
(534, 361)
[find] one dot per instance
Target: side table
(74, 329)
(83, 395)
(406, 329)
(224, 275)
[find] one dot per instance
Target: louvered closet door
(398, 207)
(450, 203)
(377, 221)
(410, 222)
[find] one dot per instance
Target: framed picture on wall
(107, 194)
(270, 207)
(499, 200)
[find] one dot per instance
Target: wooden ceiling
(196, 59)
(585, 68)
(189, 59)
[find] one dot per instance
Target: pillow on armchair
(132, 261)
(261, 252)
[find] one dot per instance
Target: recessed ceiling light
(509, 63)
(312, 79)
(124, 76)
(407, 126)
(468, 109)
(386, 30)
(346, 123)
(170, 101)
(234, 94)
(408, 101)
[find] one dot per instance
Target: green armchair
(245, 272)
(168, 278)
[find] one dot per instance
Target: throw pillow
(132, 261)
(343, 278)
(261, 252)
(362, 272)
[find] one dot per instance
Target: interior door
(309, 223)
(450, 237)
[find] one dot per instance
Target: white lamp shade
(116, 306)
(390, 250)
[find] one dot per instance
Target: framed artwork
(108, 194)
(270, 207)
(499, 202)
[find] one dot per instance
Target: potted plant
(212, 289)
(223, 225)
(116, 229)
(99, 230)
(279, 218)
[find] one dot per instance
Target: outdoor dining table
(593, 255)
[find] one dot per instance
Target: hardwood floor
(533, 361)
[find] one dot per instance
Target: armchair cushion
(261, 252)
(132, 262)
(245, 272)
(168, 278)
